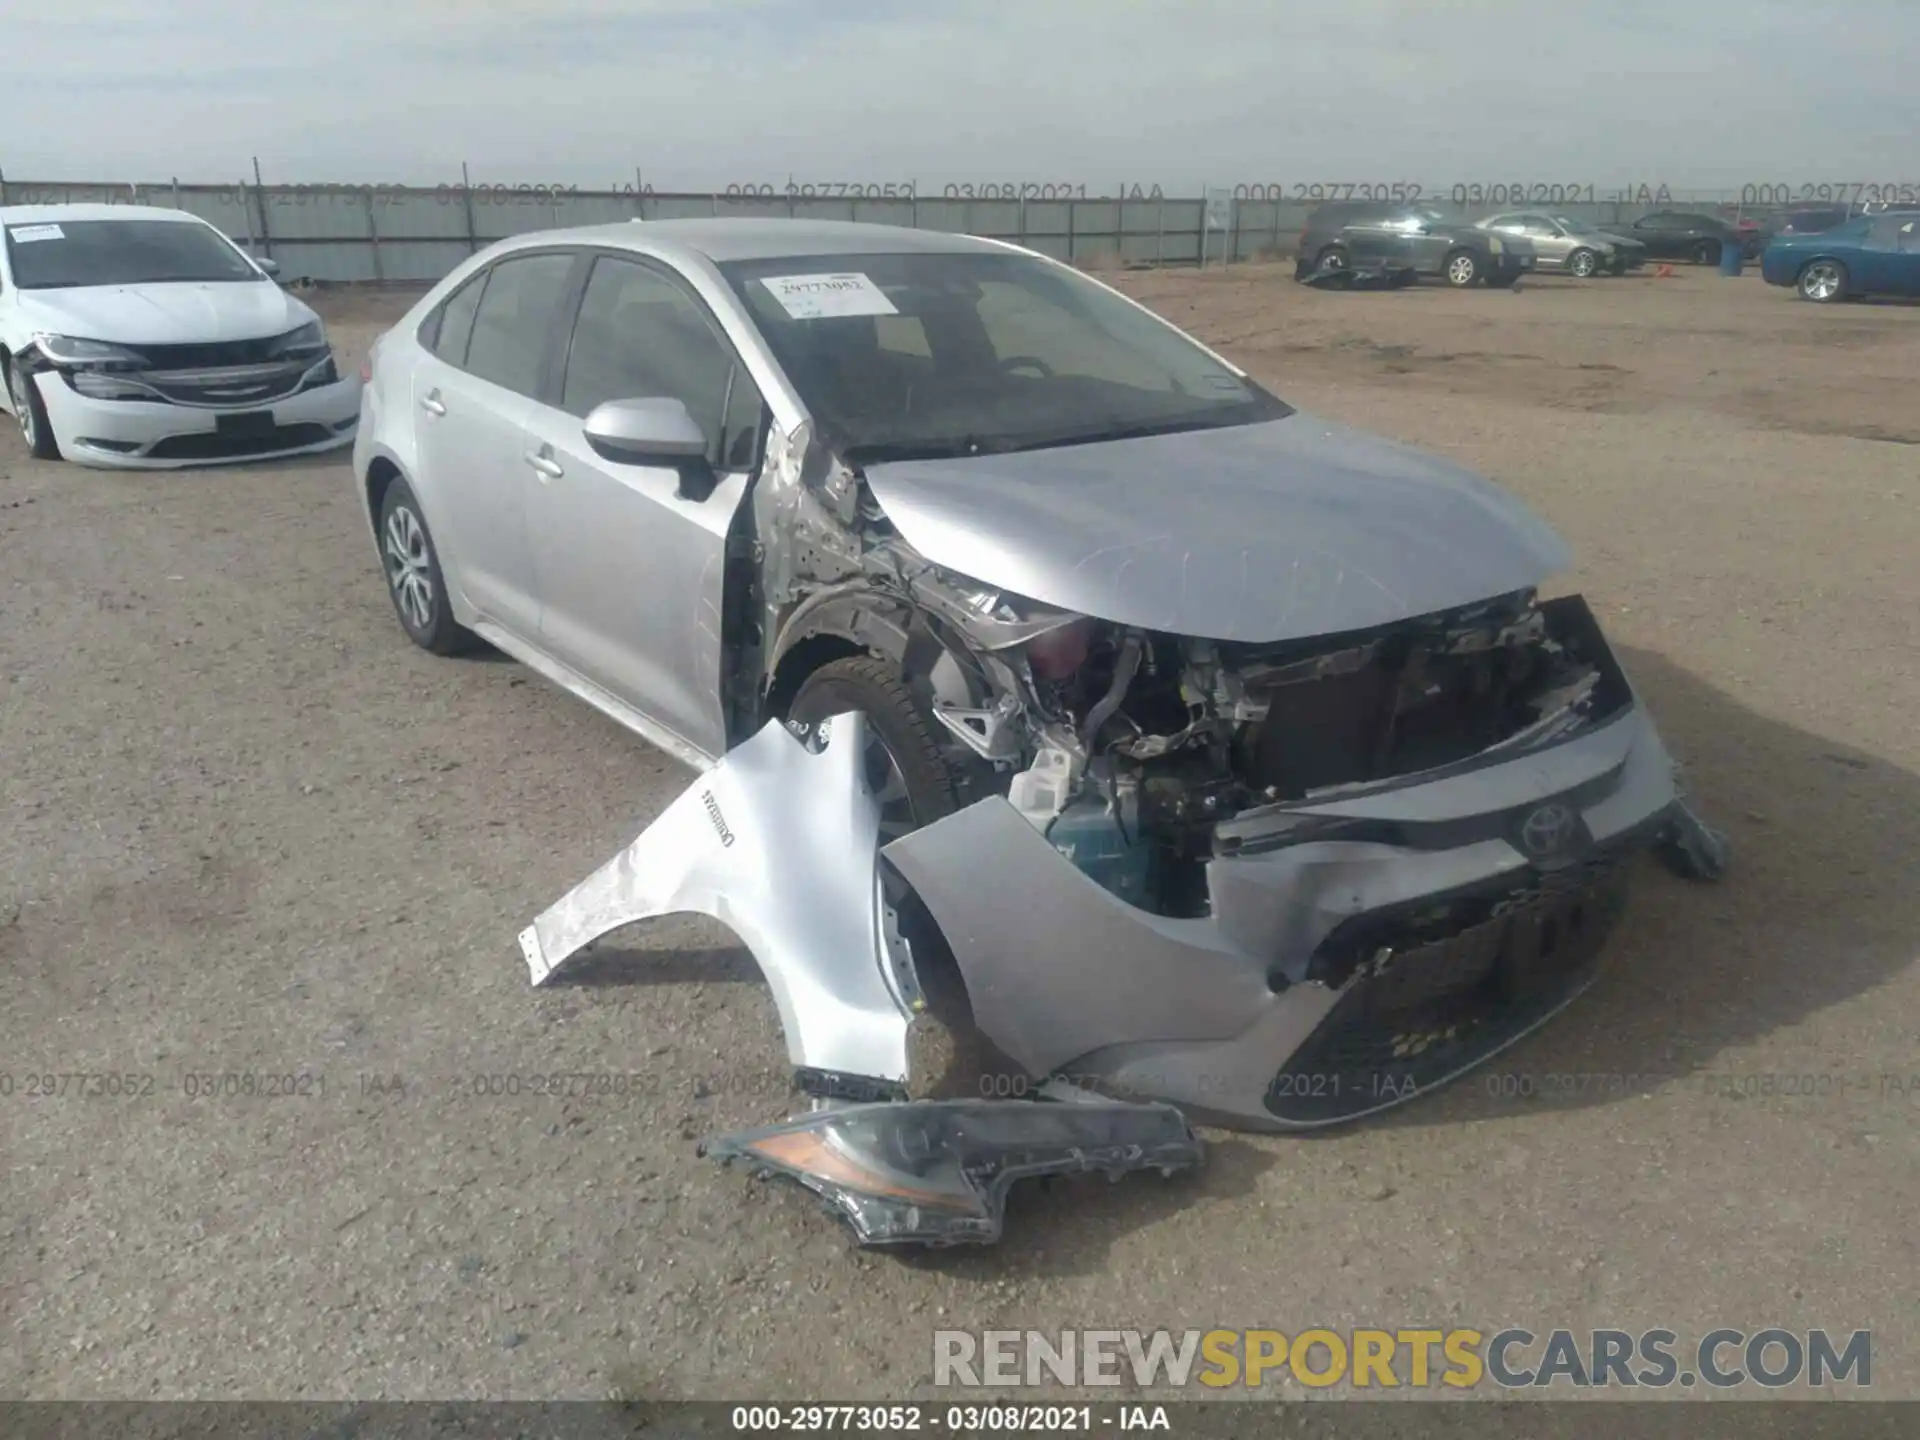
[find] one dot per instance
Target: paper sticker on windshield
(823, 297)
(23, 234)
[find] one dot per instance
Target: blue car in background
(1867, 255)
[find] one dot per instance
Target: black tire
(1823, 281)
(948, 1056)
(35, 428)
(895, 721)
(401, 518)
(1333, 257)
(1706, 252)
(1583, 263)
(1503, 279)
(1462, 269)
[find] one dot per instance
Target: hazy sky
(1681, 92)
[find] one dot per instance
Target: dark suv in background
(1422, 239)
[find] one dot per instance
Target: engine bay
(1133, 746)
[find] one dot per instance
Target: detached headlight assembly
(72, 352)
(937, 1172)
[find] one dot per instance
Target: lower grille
(1418, 1012)
(216, 446)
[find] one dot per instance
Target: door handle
(430, 402)
(547, 467)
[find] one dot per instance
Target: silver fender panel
(780, 843)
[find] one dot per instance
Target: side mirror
(267, 267)
(653, 431)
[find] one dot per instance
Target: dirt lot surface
(251, 830)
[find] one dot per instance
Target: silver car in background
(1569, 246)
(1061, 695)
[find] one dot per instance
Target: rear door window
(450, 327)
(514, 320)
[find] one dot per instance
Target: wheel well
(380, 474)
(802, 660)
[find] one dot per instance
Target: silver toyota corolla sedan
(1054, 686)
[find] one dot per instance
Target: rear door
(473, 393)
(633, 567)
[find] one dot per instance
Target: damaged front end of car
(1277, 884)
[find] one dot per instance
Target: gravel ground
(250, 829)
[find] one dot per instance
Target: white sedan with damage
(136, 337)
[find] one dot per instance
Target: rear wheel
(414, 581)
(1823, 282)
(1583, 263)
(1462, 269)
(30, 413)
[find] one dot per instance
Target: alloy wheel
(17, 384)
(1460, 269)
(1822, 281)
(409, 571)
(1583, 264)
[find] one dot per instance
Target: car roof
(724, 238)
(53, 214)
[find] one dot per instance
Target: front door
(632, 561)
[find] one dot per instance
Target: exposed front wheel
(1706, 252)
(904, 768)
(1334, 257)
(414, 581)
(30, 413)
(1824, 281)
(1462, 269)
(1583, 263)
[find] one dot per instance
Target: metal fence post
(260, 199)
(373, 237)
(466, 199)
(639, 195)
(3, 187)
(1022, 237)
(246, 212)
(1160, 232)
(176, 192)
(1120, 228)
(1072, 259)
(1203, 224)
(1233, 229)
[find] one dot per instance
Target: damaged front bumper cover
(1361, 945)
(937, 1172)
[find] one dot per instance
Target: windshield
(927, 354)
(52, 255)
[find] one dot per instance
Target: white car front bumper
(153, 435)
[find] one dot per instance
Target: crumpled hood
(1284, 530)
(184, 313)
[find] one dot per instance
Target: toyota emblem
(1548, 831)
